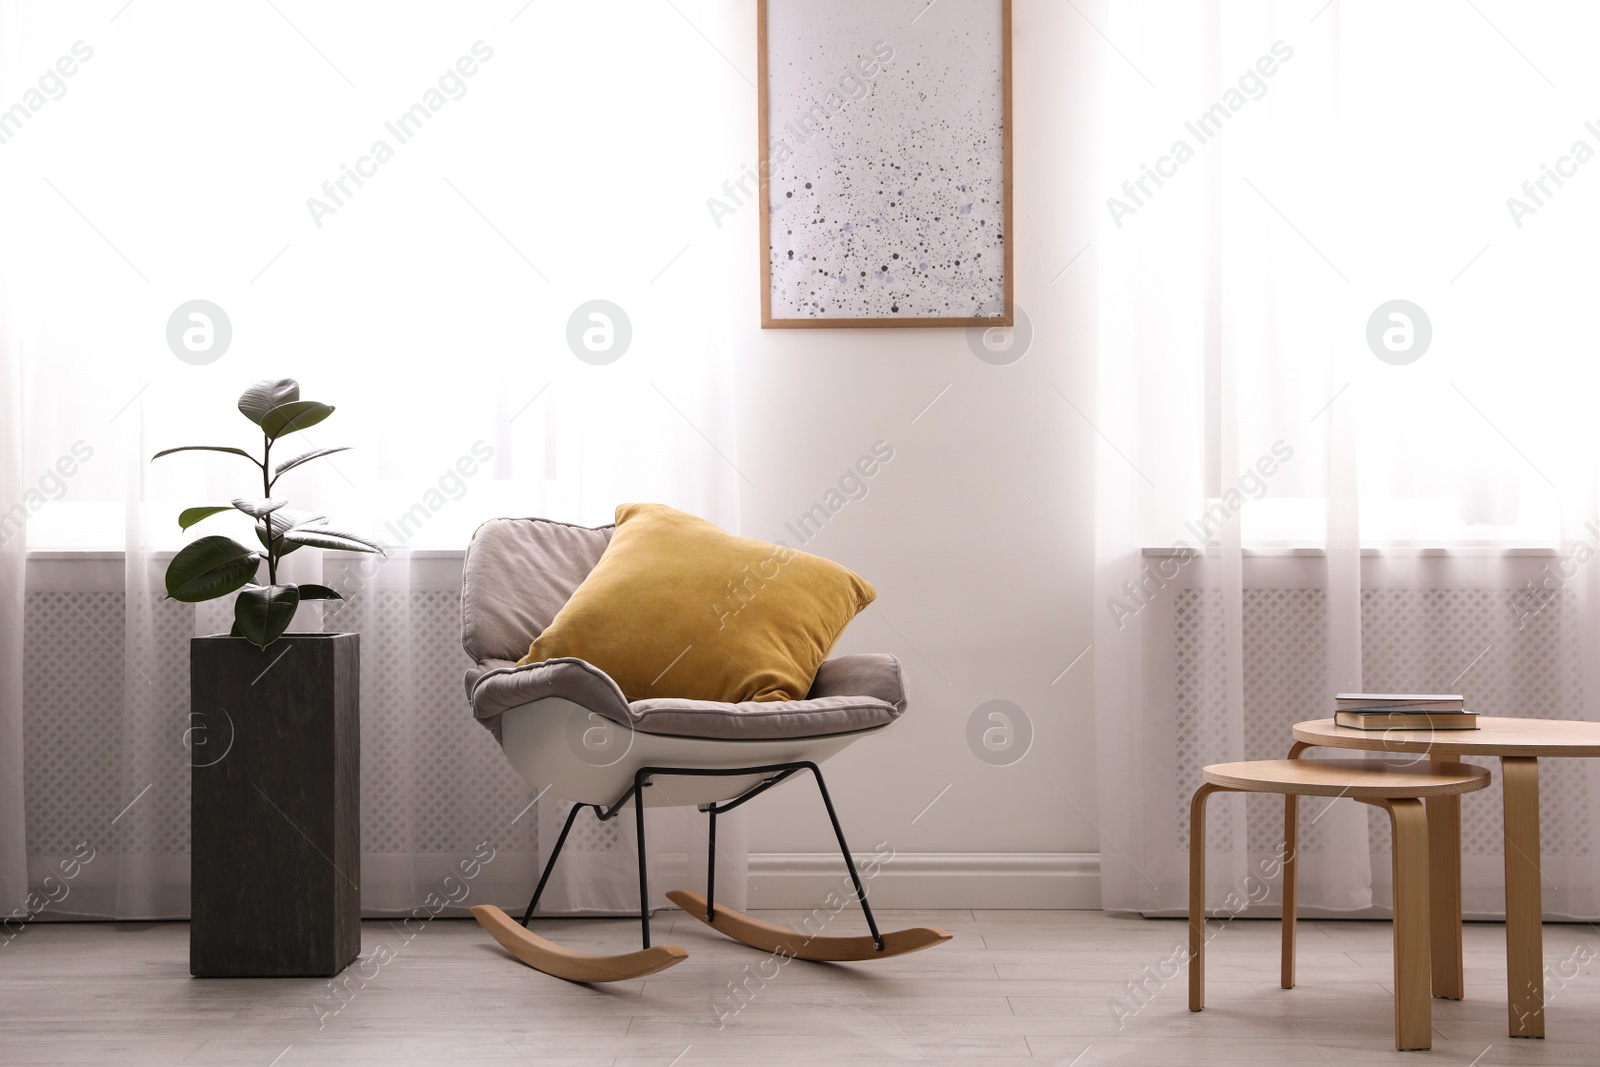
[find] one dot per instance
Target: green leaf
(263, 612)
(284, 548)
(189, 516)
(318, 592)
(267, 394)
(208, 568)
(257, 508)
(287, 418)
(208, 448)
(288, 519)
(316, 453)
(285, 520)
(323, 537)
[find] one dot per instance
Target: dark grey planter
(275, 818)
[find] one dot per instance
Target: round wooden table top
(1348, 778)
(1494, 737)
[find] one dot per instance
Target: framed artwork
(885, 170)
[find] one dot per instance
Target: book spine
(1448, 721)
(1380, 709)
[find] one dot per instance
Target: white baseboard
(933, 880)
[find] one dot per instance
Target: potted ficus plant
(273, 737)
(215, 566)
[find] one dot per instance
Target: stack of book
(1403, 711)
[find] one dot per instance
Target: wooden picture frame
(942, 96)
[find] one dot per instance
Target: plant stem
(266, 491)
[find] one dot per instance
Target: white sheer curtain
(13, 838)
(206, 152)
(1286, 510)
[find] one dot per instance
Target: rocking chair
(517, 575)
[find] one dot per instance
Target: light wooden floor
(1012, 988)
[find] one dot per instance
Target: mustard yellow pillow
(677, 607)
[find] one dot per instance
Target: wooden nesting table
(1398, 788)
(1518, 743)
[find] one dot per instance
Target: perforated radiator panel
(432, 780)
(1463, 640)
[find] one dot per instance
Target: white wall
(977, 534)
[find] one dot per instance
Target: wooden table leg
(1413, 1007)
(1291, 848)
(1444, 884)
(1197, 897)
(1519, 777)
(1291, 871)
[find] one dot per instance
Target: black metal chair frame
(775, 772)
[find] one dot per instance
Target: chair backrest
(518, 573)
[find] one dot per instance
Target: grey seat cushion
(765, 720)
(851, 693)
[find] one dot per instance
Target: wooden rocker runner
(566, 728)
(782, 941)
